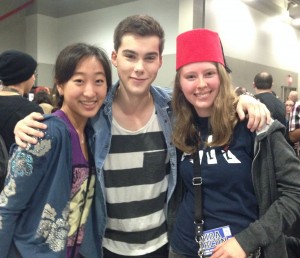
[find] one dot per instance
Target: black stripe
(140, 237)
(137, 208)
(154, 170)
(140, 142)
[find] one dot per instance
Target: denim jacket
(101, 124)
(34, 205)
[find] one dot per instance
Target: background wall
(255, 42)
(252, 40)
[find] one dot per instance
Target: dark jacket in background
(275, 105)
(12, 109)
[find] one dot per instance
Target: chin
(92, 114)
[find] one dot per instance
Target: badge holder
(197, 183)
(202, 237)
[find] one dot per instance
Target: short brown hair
(141, 25)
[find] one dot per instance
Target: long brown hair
(222, 120)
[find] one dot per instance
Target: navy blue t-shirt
(228, 194)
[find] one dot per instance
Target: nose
(89, 90)
(139, 66)
(201, 82)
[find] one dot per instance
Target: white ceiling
(56, 8)
(60, 8)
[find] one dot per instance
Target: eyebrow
(81, 73)
(128, 51)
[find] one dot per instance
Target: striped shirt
(136, 181)
(294, 124)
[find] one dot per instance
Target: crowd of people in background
(286, 111)
(43, 97)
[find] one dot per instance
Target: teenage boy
(134, 155)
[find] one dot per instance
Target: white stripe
(151, 126)
(143, 223)
(136, 193)
(124, 161)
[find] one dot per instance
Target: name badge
(213, 237)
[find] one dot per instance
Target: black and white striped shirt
(136, 181)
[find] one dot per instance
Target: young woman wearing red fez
(242, 190)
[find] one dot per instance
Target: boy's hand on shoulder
(256, 112)
(26, 129)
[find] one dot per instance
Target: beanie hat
(16, 67)
(199, 45)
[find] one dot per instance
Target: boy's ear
(114, 58)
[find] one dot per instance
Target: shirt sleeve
(295, 118)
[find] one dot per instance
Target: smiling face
(85, 91)
(200, 84)
(137, 61)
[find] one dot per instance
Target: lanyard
(197, 183)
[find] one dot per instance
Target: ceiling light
(294, 11)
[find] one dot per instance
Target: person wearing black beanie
(17, 78)
(17, 69)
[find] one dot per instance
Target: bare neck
(263, 91)
(132, 112)
(12, 90)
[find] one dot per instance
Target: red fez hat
(199, 45)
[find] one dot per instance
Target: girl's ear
(60, 89)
